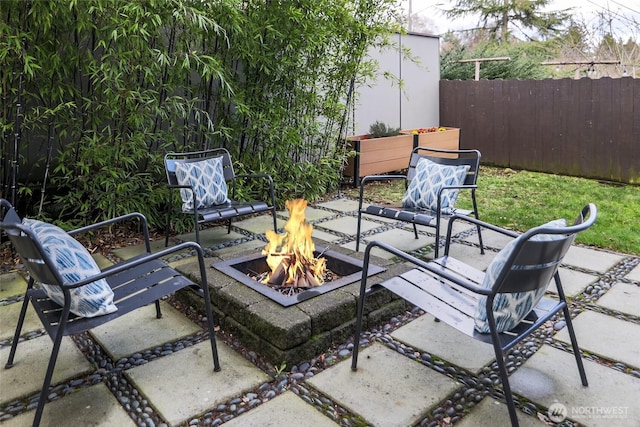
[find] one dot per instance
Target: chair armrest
(127, 217)
(476, 222)
(458, 280)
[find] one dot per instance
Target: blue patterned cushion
(510, 308)
(206, 177)
(74, 263)
(430, 177)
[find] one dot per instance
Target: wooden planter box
(375, 156)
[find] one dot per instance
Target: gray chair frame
(137, 282)
(449, 289)
(226, 211)
(423, 217)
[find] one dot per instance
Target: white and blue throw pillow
(510, 308)
(430, 177)
(74, 263)
(206, 177)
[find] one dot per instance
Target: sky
(624, 12)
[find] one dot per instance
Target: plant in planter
(384, 149)
(381, 130)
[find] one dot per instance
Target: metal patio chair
(455, 292)
(225, 208)
(427, 215)
(133, 284)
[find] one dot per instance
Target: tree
(499, 15)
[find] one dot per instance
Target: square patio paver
(258, 224)
(550, 377)
(93, 406)
(401, 397)
(606, 336)
(591, 259)
(341, 205)
(284, 410)
(9, 315)
(30, 364)
(140, 330)
(634, 274)
(445, 342)
(623, 297)
(183, 384)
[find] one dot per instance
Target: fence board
(586, 127)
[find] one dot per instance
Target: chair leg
(415, 230)
(197, 226)
(574, 344)
(16, 335)
(42, 399)
(209, 313)
(475, 213)
(358, 331)
(229, 227)
(437, 246)
(358, 231)
(275, 222)
(158, 311)
(168, 226)
(504, 378)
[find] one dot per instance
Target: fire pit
(290, 269)
(243, 269)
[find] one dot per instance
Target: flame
(292, 254)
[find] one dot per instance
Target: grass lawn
(519, 200)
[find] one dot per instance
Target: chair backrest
(28, 247)
(170, 160)
(447, 157)
(533, 263)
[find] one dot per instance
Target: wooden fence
(586, 127)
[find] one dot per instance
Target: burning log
(290, 256)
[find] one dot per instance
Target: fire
(290, 256)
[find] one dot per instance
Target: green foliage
(498, 16)
(379, 130)
(115, 85)
(524, 64)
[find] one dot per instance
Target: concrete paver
(573, 281)
(282, 411)
(551, 377)
(11, 285)
(184, 384)
(311, 214)
(589, 259)
(623, 297)
(12, 311)
(387, 389)
(30, 364)
(346, 225)
(445, 342)
(258, 224)
(93, 406)
(342, 205)
(634, 274)
(401, 239)
(606, 336)
(491, 412)
(140, 330)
